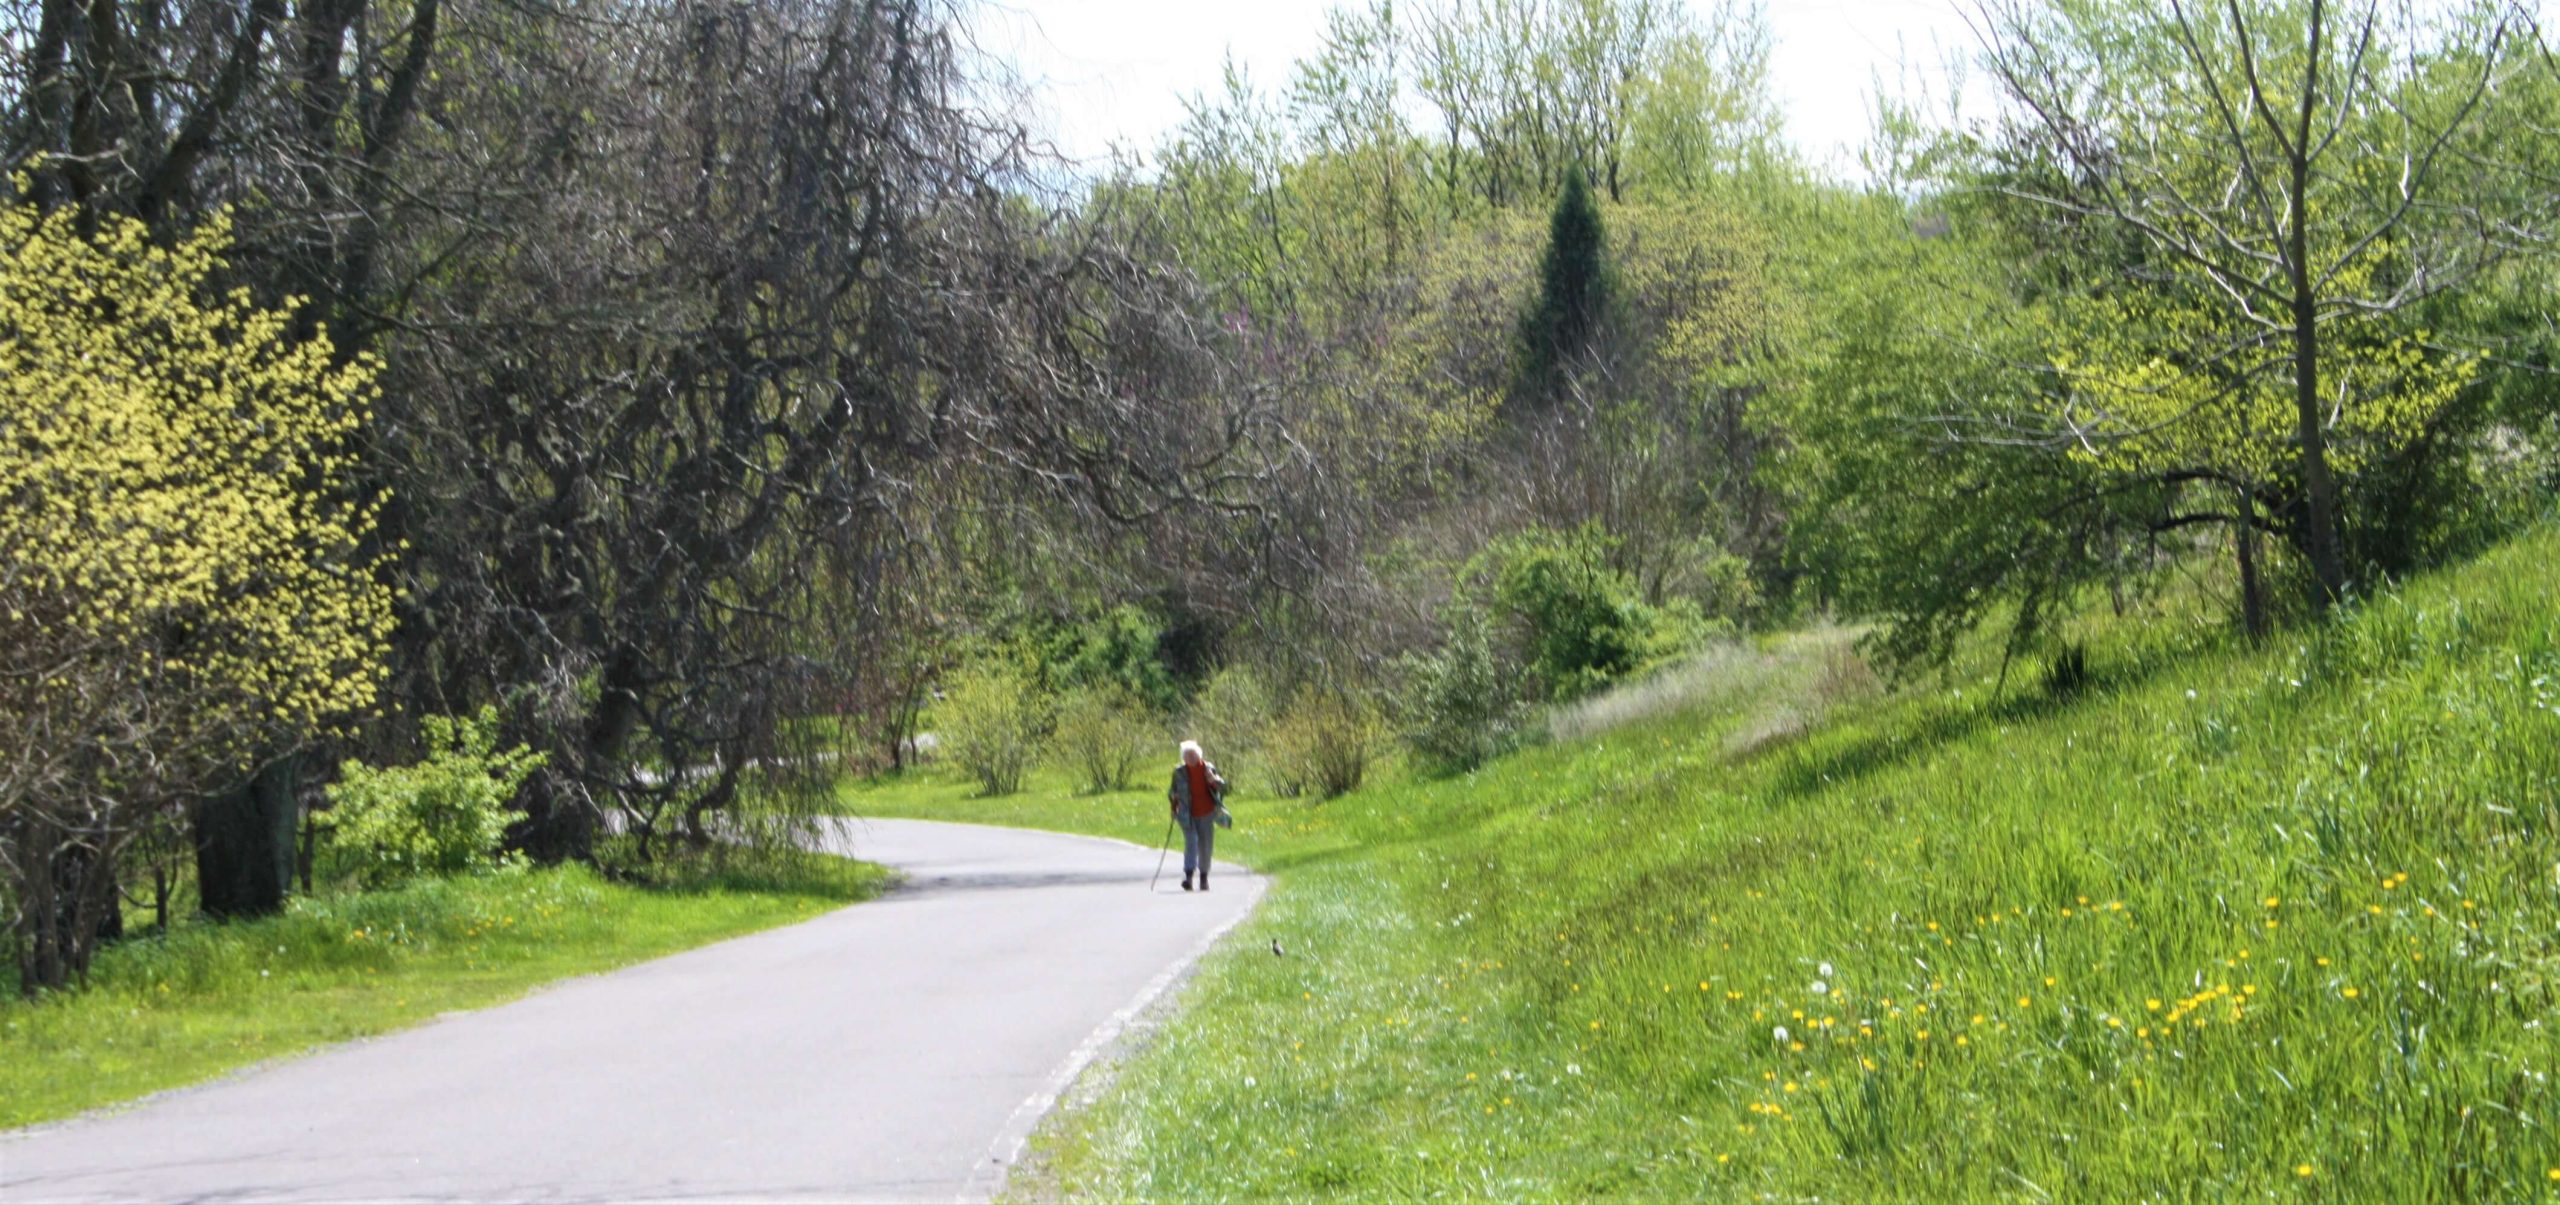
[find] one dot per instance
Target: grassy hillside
(2279, 922)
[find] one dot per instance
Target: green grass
(162, 1012)
(2282, 922)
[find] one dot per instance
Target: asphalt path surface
(901, 1049)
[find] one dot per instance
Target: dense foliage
(183, 572)
(445, 815)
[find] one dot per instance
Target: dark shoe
(1186, 882)
(1204, 880)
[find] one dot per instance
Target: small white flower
(1573, 1069)
(1820, 988)
(2191, 692)
(1780, 1033)
(1248, 1081)
(1825, 969)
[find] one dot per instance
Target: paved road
(896, 1050)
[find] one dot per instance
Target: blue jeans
(1198, 834)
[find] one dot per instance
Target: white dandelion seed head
(1780, 1034)
(1821, 988)
(1825, 968)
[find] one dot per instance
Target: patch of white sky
(1106, 75)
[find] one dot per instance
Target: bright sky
(1113, 72)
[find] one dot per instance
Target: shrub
(445, 815)
(1104, 734)
(1461, 706)
(1322, 743)
(1115, 650)
(991, 721)
(1579, 623)
(1231, 717)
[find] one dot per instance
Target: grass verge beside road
(163, 1012)
(2218, 922)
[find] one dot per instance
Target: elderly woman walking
(1196, 794)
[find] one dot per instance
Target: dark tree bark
(244, 842)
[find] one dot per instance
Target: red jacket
(1204, 787)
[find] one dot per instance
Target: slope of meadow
(2271, 922)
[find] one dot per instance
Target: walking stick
(1160, 854)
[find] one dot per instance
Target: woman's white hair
(1191, 747)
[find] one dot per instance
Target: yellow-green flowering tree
(182, 574)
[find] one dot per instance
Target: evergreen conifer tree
(1576, 290)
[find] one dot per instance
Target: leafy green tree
(2293, 165)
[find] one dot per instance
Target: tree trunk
(2320, 493)
(39, 918)
(305, 838)
(244, 843)
(67, 904)
(2253, 590)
